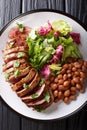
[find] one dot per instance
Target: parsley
(34, 96)
(47, 97)
(20, 54)
(3, 64)
(7, 75)
(7, 57)
(21, 28)
(39, 108)
(16, 73)
(16, 64)
(41, 82)
(25, 86)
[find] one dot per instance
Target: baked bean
(73, 88)
(56, 80)
(77, 65)
(74, 69)
(78, 86)
(66, 83)
(66, 99)
(67, 93)
(85, 64)
(76, 73)
(66, 66)
(70, 66)
(60, 76)
(83, 68)
(53, 86)
(81, 80)
(61, 88)
(69, 75)
(65, 77)
(76, 79)
(72, 82)
(60, 95)
(82, 75)
(63, 71)
(82, 90)
(61, 81)
(72, 97)
(68, 71)
(73, 92)
(55, 93)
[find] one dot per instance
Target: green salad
(51, 45)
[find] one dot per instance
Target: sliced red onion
(45, 71)
(56, 34)
(45, 30)
(75, 37)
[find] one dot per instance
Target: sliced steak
(26, 79)
(35, 103)
(14, 56)
(11, 63)
(21, 67)
(32, 85)
(46, 104)
(13, 50)
(38, 92)
(24, 72)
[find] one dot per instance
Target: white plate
(55, 111)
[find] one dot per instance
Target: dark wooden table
(9, 120)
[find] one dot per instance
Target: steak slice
(14, 56)
(32, 85)
(11, 63)
(46, 104)
(13, 50)
(35, 103)
(13, 79)
(38, 92)
(21, 67)
(26, 79)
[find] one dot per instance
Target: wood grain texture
(8, 10)
(77, 8)
(28, 5)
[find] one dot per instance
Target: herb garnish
(47, 97)
(16, 64)
(39, 108)
(34, 95)
(25, 86)
(7, 75)
(41, 82)
(20, 54)
(21, 28)
(16, 73)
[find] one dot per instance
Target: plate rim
(37, 11)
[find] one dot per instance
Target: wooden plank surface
(8, 10)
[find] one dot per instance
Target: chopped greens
(47, 97)
(16, 64)
(34, 95)
(39, 108)
(41, 82)
(26, 86)
(16, 73)
(20, 54)
(21, 28)
(7, 75)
